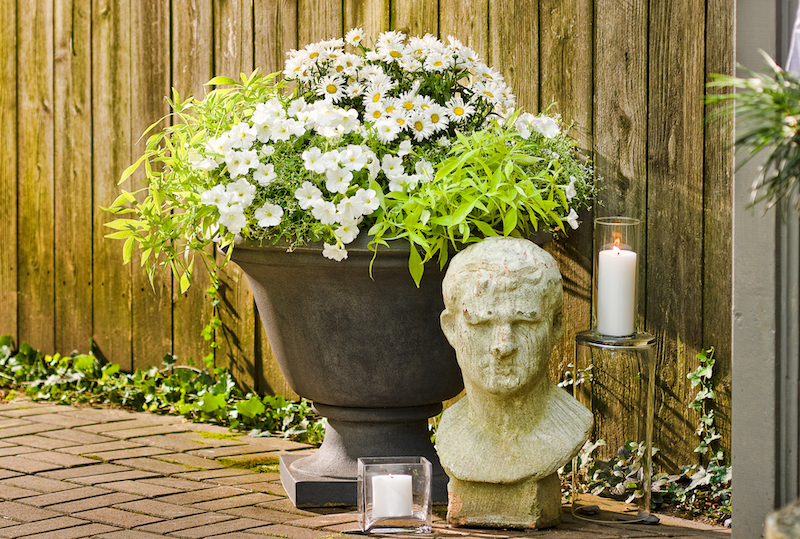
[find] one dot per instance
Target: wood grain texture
(674, 282)
(36, 191)
(415, 17)
(718, 219)
(565, 82)
(151, 305)
(192, 66)
(515, 50)
(319, 20)
(8, 169)
(111, 155)
(275, 33)
(73, 172)
(374, 16)
(466, 20)
(233, 37)
(620, 155)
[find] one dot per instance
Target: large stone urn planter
(369, 353)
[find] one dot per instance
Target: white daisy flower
(355, 37)
(458, 110)
(437, 114)
(420, 126)
(438, 62)
(330, 87)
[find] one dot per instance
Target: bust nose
(503, 341)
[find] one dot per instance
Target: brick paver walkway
(69, 472)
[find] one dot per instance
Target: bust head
(503, 314)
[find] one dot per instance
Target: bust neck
(514, 415)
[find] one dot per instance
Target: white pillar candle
(391, 496)
(616, 292)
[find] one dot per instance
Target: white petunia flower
(267, 113)
(232, 218)
(240, 163)
(243, 135)
(369, 200)
(353, 157)
(569, 190)
(324, 211)
(392, 166)
(338, 180)
(334, 252)
(220, 145)
(546, 126)
(264, 174)
(404, 148)
(425, 170)
(268, 215)
(241, 192)
(315, 161)
(307, 195)
(572, 219)
(348, 231)
(216, 196)
(386, 130)
(350, 209)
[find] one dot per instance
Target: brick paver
(116, 517)
(166, 480)
(41, 526)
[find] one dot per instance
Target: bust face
(502, 334)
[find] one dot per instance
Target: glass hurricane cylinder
(617, 258)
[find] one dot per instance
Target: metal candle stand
(618, 253)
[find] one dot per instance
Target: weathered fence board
(111, 154)
(192, 67)
(35, 247)
(628, 76)
(150, 66)
(8, 168)
(620, 153)
(717, 240)
(73, 166)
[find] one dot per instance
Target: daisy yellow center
(458, 111)
(313, 55)
(435, 118)
(395, 54)
(401, 121)
(438, 64)
(339, 69)
(331, 88)
(376, 98)
(408, 105)
(376, 114)
(488, 93)
(418, 125)
(390, 109)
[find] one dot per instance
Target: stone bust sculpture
(502, 444)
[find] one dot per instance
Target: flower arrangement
(409, 138)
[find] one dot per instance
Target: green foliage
(698, 489)
(767, 111)
(205, 395)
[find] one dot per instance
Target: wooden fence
(80, 80)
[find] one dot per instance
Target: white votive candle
(391, 496)
(616, 292)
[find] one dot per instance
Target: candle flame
(615, 248)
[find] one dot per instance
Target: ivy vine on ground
(204, 394)
(699, 490)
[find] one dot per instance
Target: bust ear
(448, 322)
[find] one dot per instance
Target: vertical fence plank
(318, 20)
(8, 168)
(675, 217)
(233, 39)
(111, 154)
(372, 15)
(620, 154)
(565, 77)
(36, 275)
(718, 219)
(73, 166)
(514, 48)
(415, 17)
(467, 21)
(192, 67)
(151, 305)
(275, 34)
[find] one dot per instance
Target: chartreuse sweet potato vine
(200, 394)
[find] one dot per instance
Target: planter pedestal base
(329, 476)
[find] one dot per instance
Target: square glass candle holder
(617, 259)
(394, 494)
